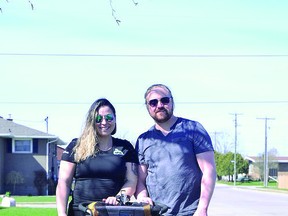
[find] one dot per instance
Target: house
(280, 172)
(28, 160)
(283, 174)
(60, 150)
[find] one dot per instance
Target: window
(22, 146)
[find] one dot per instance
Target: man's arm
(207, 165)
(141, 190)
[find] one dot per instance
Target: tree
(242, 165)
(221, 142)
(228, 159)
(225, 166)
(219, 165)
(14, 178)
(40, 181)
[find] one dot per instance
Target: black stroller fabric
(127, 209)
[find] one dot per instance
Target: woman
(101, 165)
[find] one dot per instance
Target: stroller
(124, 208)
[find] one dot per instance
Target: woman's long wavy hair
(88, 142)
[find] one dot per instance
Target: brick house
(283, 173)
(30, 156)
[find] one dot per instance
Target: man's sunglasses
(108, 118)
(164, 101)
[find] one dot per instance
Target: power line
(234, 102)
(148, 55)
(58, 103)
(178, 102)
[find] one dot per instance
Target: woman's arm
(129, 186)
(66, 173)
(131, 179)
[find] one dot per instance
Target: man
(176, 158)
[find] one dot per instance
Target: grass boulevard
(43, 201)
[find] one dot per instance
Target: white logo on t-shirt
(117, 152)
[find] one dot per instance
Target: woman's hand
(145, 200)
(111, 201)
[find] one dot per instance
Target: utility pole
(235, 147)
(46, 120)
(266, 168)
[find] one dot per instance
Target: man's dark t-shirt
(174, 177)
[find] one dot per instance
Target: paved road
(231, 201)
(237, 201)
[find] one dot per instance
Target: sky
(222, 59)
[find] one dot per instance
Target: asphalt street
(241, 201)
(231, 201)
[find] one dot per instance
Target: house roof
(279, 159)
(8, 128)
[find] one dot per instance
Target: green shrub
(8, 194)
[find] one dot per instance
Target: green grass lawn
(15, 211)
(28, 199)
(272, 185)
(259, 184)
(25, 211)
(251, 183)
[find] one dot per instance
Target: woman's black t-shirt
(103, 175)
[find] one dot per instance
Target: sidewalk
(274, 190)
(36, 205)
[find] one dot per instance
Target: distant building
(30, 157)
(60, 150)
(280, 173)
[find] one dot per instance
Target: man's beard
(163, 119)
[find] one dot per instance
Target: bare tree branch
(135, 3)
(114, 12)
(118, 21)
(32, 6)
